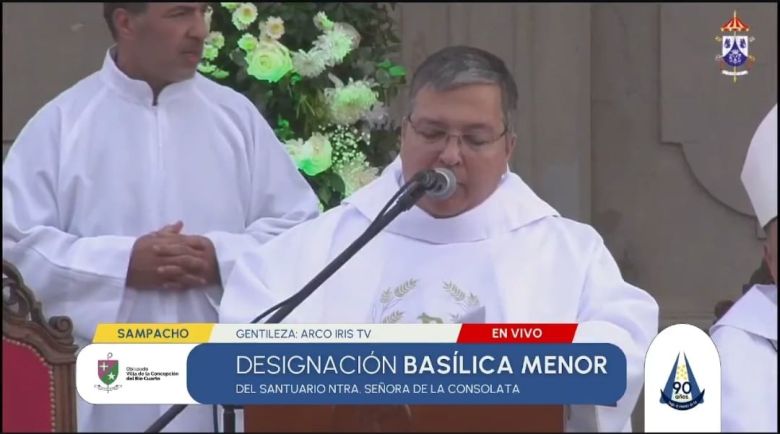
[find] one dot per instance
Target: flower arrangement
(322, 75)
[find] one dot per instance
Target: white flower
(320, 144)
(207, 17)
(350, 31)
(273, 27)
(378, 117)
(347, 104)
(308, 64)
(244, 15)
(356, 173)
(336, 44)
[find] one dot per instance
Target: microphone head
(445, 184)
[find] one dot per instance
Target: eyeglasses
(436, 136)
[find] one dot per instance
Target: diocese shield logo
(681, 391)
(734, 58)
(108, 370)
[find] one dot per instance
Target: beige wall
(624, 121)
(47, 47)
(669, 137)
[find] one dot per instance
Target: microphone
(438, 183)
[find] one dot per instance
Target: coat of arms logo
(681, 391)
(734, 58)
(108, 372)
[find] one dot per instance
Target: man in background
(746, 336)
(129, 197)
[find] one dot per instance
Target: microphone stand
(407, 199)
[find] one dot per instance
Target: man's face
(167, 39)
(478, 159)
(770, 250)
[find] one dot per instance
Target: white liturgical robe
(746, 339)
(101, 165)
(512, 257)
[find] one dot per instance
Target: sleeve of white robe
(280, 198)
(613, 311)
(744, 406)
(264, 276)
(82, 277)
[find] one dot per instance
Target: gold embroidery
(393, 318)
(390, 298)
(467, 301)
(426, 319)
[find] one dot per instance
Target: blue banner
(394, 374)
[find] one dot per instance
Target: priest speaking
(493, 251)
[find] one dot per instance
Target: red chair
(39, 359)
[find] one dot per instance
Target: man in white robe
(129, 197)
(494, 246)
(746, 336)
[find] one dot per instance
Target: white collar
(139, 91)
(754, 312)
(510, 207)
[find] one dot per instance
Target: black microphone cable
(382, 212)
(387, 206)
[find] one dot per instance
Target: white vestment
(746, 338)
(100, 165)
(512, 255)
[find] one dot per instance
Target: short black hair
(109, 8)
(455, 66)
(762, 276)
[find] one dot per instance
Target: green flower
(230, 6)
(322, 22)
(269, 61)
(313, 156)
(244, 15)
(321, 155)
(220, 73)
(248, 43)
(210, 52)
(348, 104)
(215, 39)
(206, 68)
(283, 130)
(308, 64)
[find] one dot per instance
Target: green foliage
(328, 75)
